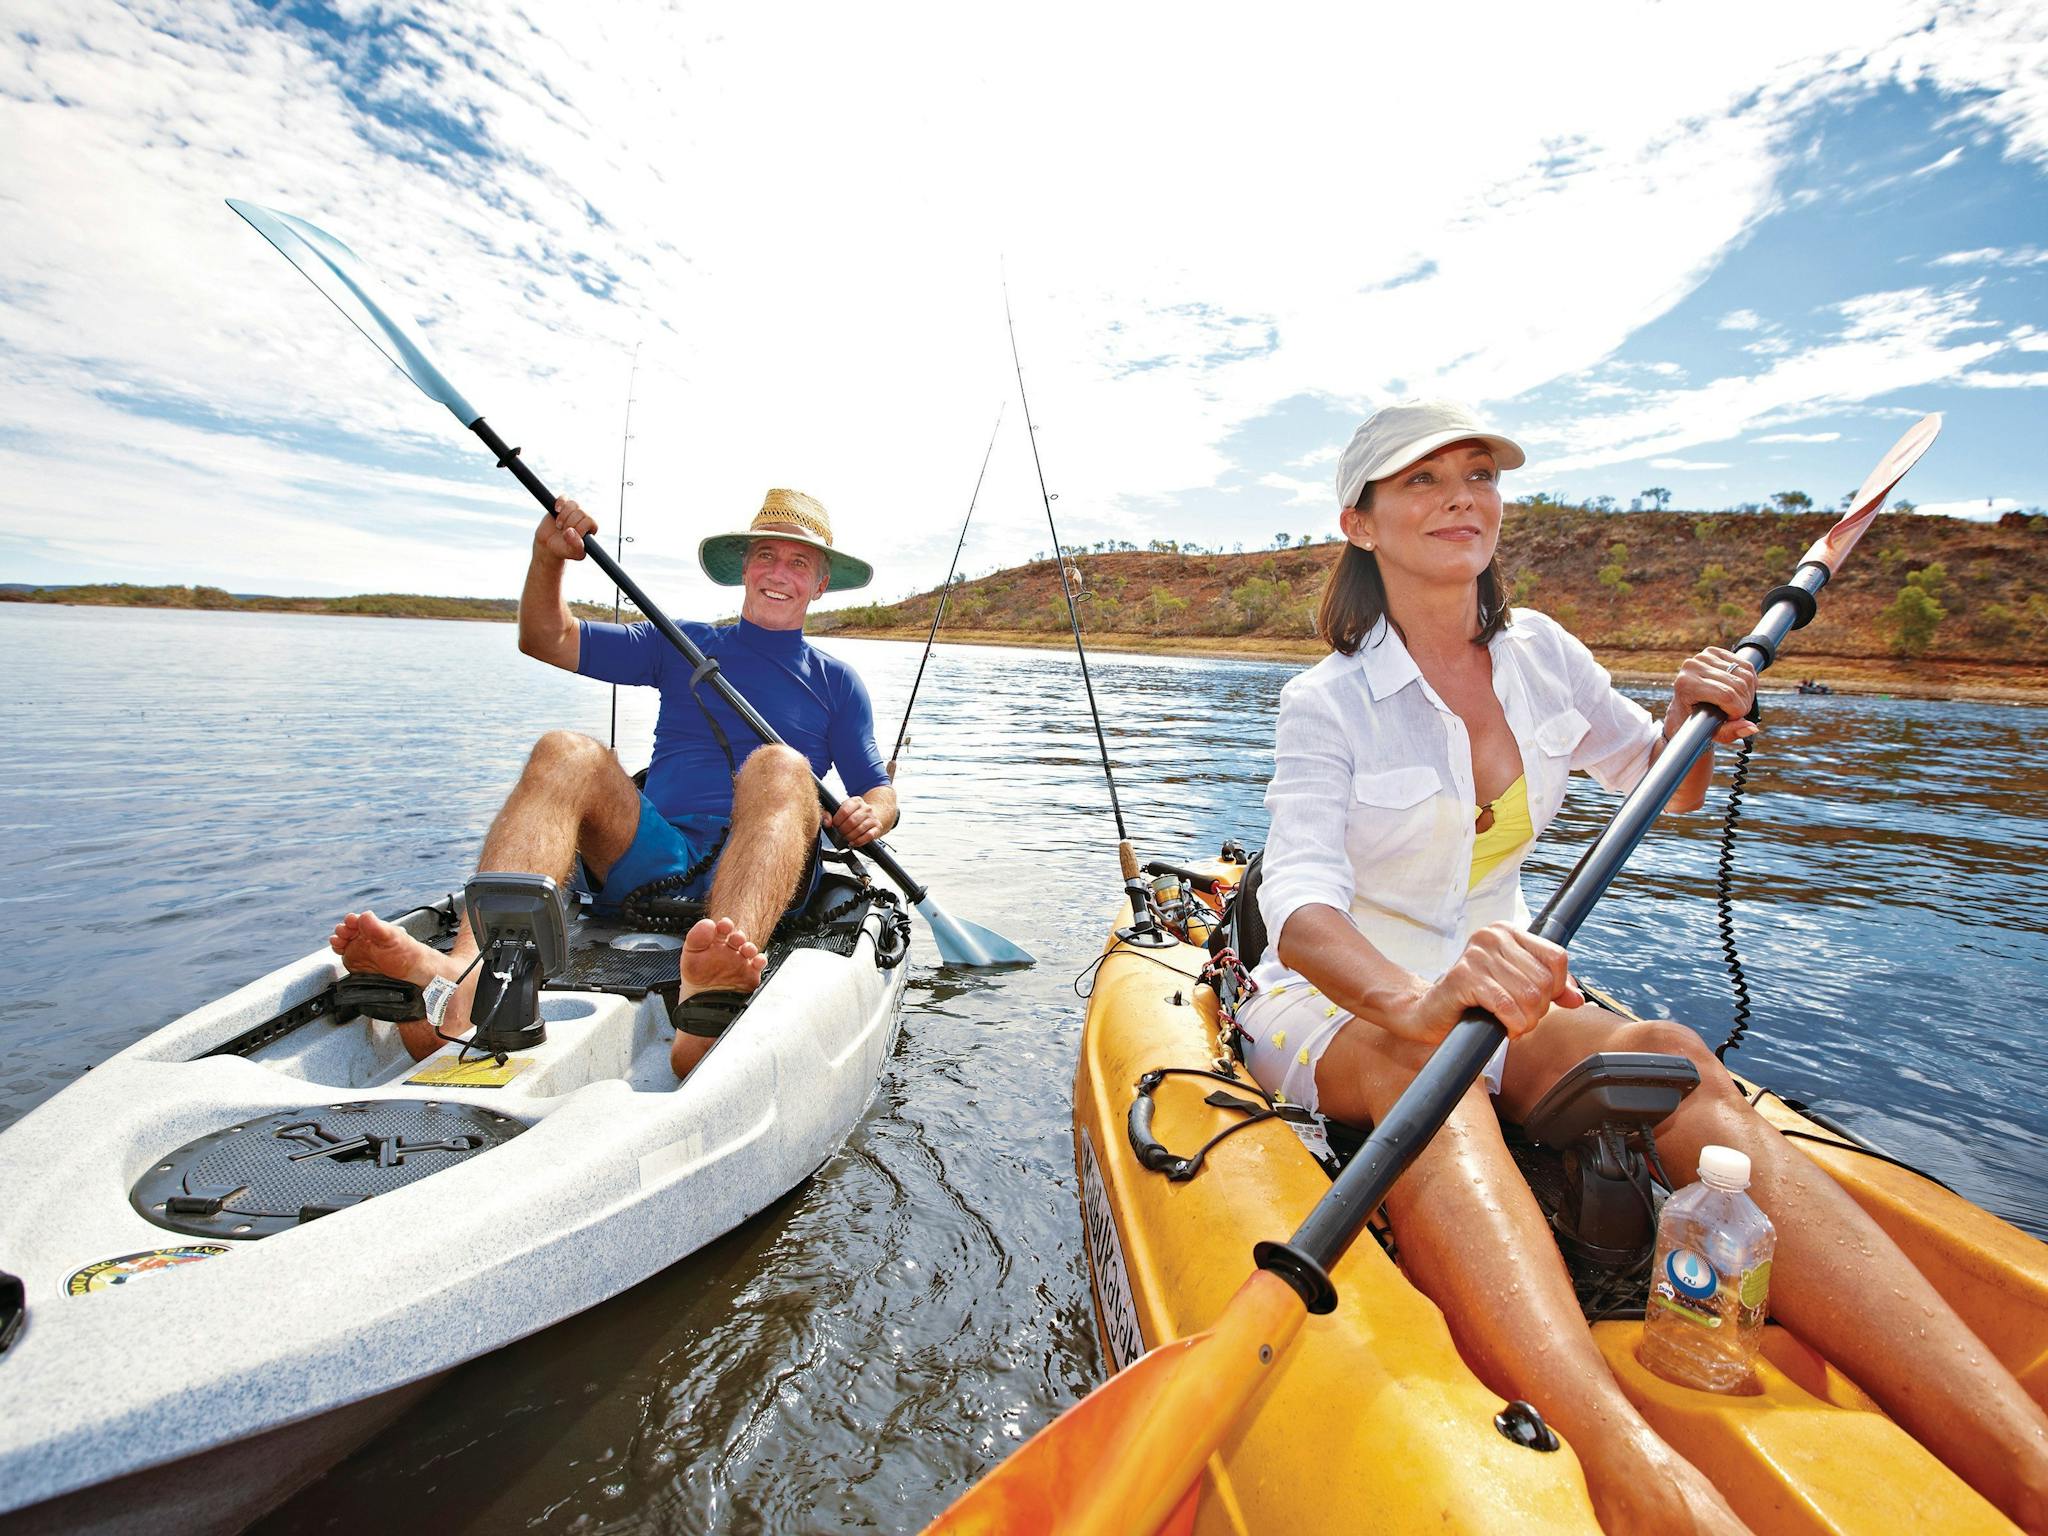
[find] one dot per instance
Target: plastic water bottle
(1711, 1280)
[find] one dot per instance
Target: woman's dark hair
(1355, 599)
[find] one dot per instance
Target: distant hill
(1648, 582)
(376, 605)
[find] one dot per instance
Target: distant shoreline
(1924, 678)
(375, 605)
(1927, 678)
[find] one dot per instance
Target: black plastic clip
(205, 1199)
(13, 1308)
(705, 668)
(1521, 1423)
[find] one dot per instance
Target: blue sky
(1728, 251)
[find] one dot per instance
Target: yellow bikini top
(1510, 830)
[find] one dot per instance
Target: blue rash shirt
(816, 702)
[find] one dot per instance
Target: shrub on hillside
(1916, 612)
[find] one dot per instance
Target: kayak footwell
(1801, 1451)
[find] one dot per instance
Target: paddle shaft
(1305, 1259)
(508, 458)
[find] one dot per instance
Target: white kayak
(201, 1339)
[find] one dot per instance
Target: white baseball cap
(1395, 436)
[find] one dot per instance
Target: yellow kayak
(1372, 1420)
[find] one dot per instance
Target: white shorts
(1288, 1027)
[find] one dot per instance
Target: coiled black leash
(1724, 895)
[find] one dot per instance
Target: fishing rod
(1127, 857)
(945, 597)
(620, 532)
(330, 266)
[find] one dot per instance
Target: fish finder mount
(521, 926)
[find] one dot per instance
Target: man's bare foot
(366, 942)
(718, 957)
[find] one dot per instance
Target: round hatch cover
(272, 1173)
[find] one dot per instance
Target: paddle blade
(1834, 546)
(970, 944)
(332, 268)
(1124, 1459)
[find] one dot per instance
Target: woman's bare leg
(1458, 1213)
(1837, 1280)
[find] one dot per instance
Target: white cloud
(806, 216)
(1942, 164)
(1741, 320)
(1887, 342)
(1329, 453)
(1985, 378)
(1798, 437)
(1989, 510)
(1302, 493)
(1669, 463)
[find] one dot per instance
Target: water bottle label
(1756, 1284)
(1688, 1287)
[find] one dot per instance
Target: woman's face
(1436, 521)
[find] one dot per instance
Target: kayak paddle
(1126, 1457)
(332, 268)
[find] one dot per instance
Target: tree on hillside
(1792, 501)
(1280, 539)
(1660, 494)
(1916, 611)
(1601, 504)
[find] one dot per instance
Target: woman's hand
(1720, 678)
(1509, 972)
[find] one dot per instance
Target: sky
(1726, 250)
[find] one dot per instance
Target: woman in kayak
(1414, 767)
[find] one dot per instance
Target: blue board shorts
(661, 848)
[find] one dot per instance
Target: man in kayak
(705, 800)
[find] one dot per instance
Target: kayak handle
(1152, 1153)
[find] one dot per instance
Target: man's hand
(857, 822)
(561, 536)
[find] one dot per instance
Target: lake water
(190, 799)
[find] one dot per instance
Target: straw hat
(787, 515)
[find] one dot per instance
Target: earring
(1367, 546)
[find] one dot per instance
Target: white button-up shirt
(1372, 800)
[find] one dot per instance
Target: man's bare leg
(1459, 1212)
(775, 817)
(571, 797)
(1837, 1280)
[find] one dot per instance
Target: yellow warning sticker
(477, 1072)
(108, 1273)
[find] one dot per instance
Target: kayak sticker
(478, 1072)
(108, 1273)
(1114, 1305)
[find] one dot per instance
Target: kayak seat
(1587, 1151)
(1244, 931)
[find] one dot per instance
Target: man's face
(782, 578)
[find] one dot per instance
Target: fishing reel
(521, 925)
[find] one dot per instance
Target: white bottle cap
(1724, 1167)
